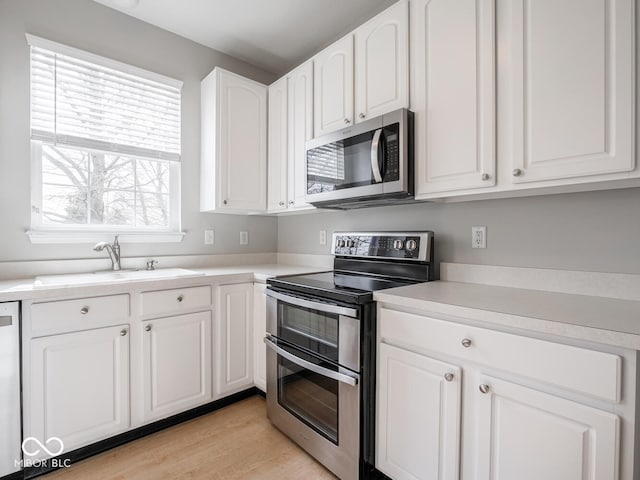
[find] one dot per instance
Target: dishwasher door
(10, 430)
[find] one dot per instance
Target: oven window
(311, 397)
(310, 329)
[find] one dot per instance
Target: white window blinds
(79, 103)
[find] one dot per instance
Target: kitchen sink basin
(112, 276)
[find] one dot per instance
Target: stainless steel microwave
(368, 164)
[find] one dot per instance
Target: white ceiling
(274, 35)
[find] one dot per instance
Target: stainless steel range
(321, 339)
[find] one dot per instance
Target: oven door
(311, 397)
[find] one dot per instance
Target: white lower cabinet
(418, 416)
(259, 330)
(529, 435)
(233, 340)
(513, 425)
(176, 357)
(78, 387)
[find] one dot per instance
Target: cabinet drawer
(581, 370)
(176, 299)
(48, 318)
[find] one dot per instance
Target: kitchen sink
(110, 276)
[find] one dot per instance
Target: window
(105, 143)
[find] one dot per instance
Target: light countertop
(27, 289)
(599, 319)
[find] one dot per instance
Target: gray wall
(92, 27)
(593, 231)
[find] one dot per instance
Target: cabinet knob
(281, 204)
(225, 202)
(484, 388)
(123, 332)
(517, 172)
(347, 121)
(361, 115)
(84, 310)
(448, 377)
(290, 202)
(147, 328)
(485, 177)
(180, 298)
(466, 342)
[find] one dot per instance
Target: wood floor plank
(236, 442)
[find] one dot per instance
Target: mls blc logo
(31, 446)
(53, 447)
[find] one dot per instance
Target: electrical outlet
(244, 238)
(208, 237)
(478, 237)
(323, 237)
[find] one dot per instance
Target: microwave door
(377, 154)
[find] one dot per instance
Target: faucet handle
(151, 263)
(115, 240)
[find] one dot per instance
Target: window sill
(79, 236)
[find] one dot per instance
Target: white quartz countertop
(599, 319)
(29, 289)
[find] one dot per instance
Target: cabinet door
(529, 435)
(382, 63)
(234, 339)
(333, 87)
(176, 364)
(78, 386)
(573, 69)
(453, 94)
(418, 416)
(300, 131)
(242, 143)
(259, 331)
(278, 145)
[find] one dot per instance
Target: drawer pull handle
(466, 342)
(180, 298)
(484, 388)
(123, 332)
(485, 177)
(147, 328)
(517, 172)
(448, 377)
(84, 310)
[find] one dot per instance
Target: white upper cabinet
(573, 70)
(234, 144)
(300, 131)
(382, 63)
(278, 145)
(333, 87)
(453, 94)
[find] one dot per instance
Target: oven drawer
(589, 372)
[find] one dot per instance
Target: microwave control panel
(392, 153)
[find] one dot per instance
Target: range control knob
(398, 244)
(350, 243)
(411, 245)
(339, 243)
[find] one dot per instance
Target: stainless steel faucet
(112, 250)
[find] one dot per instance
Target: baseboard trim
(135, 434)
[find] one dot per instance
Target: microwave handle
(375, 163)
(325, 372)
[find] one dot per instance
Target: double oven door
(313, 377)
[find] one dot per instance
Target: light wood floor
(236, 442)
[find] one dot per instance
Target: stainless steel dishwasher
(10, 430)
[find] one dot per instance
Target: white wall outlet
(478, 237)
(208, 237)
(244, 238)
(323, 237)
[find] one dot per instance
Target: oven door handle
(323, 307)
(351, 379)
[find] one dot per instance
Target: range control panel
(391, 245)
